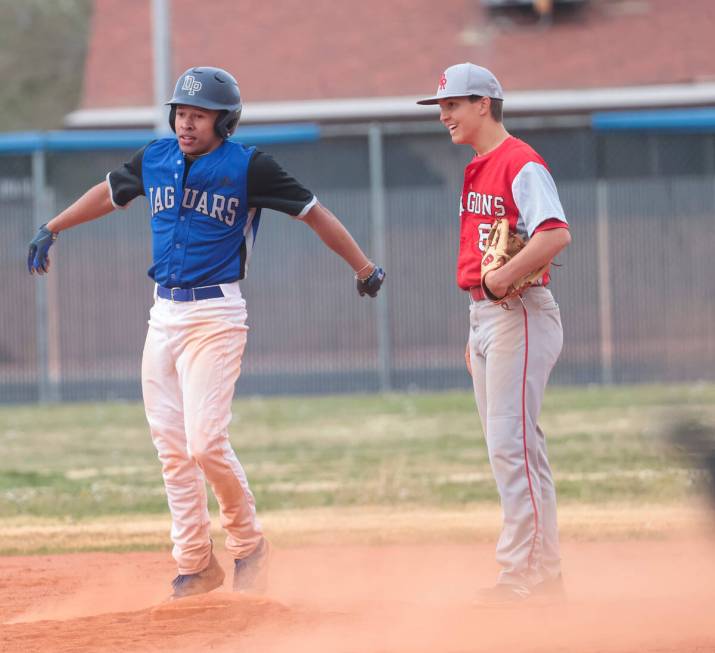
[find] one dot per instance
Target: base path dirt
(623, 596)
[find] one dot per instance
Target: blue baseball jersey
(205, 211)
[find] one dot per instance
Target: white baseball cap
(466, 79)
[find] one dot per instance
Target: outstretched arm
(95, 203)
(334, 234)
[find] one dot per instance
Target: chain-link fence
(634, 286)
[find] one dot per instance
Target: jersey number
(484, 228)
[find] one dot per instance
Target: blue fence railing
(68, 141)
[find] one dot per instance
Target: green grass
(42, 52)
(87, 460)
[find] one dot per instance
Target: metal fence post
(161, 50)
(604, 282)
(47, 391)
(378, 212)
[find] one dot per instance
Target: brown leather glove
(502, 246)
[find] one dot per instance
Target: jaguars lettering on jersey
(213, 205)
(207, 237)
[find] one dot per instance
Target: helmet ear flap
(226, 123)
(231, 125)
(172, 118)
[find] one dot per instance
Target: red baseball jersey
(510, 182)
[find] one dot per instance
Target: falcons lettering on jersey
(483, 204)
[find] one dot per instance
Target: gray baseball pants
(512, 353)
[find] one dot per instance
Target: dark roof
(328, 49)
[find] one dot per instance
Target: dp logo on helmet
(191, 85)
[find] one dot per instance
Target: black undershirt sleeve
(271, 187)
(125, 182)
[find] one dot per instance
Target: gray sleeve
(536, 197)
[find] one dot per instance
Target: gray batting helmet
(209, 88)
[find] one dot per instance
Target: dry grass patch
(359, 525)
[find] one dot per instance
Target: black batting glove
(37, 256)
(372, 284)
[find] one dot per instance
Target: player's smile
(455, 131)
(453, 112)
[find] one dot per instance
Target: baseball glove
(501, 247)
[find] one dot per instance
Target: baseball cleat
(199, 583)
(551, 589)
(250, 574)
(502, 595)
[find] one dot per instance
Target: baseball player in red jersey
(514, 344)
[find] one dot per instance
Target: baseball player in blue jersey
(205, 197)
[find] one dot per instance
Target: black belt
(189, 294)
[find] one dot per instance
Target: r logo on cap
(463, 80)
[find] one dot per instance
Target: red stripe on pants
(523, 432)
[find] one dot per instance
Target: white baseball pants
(512, 353)
(192, 359)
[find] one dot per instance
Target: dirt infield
(624, 596)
